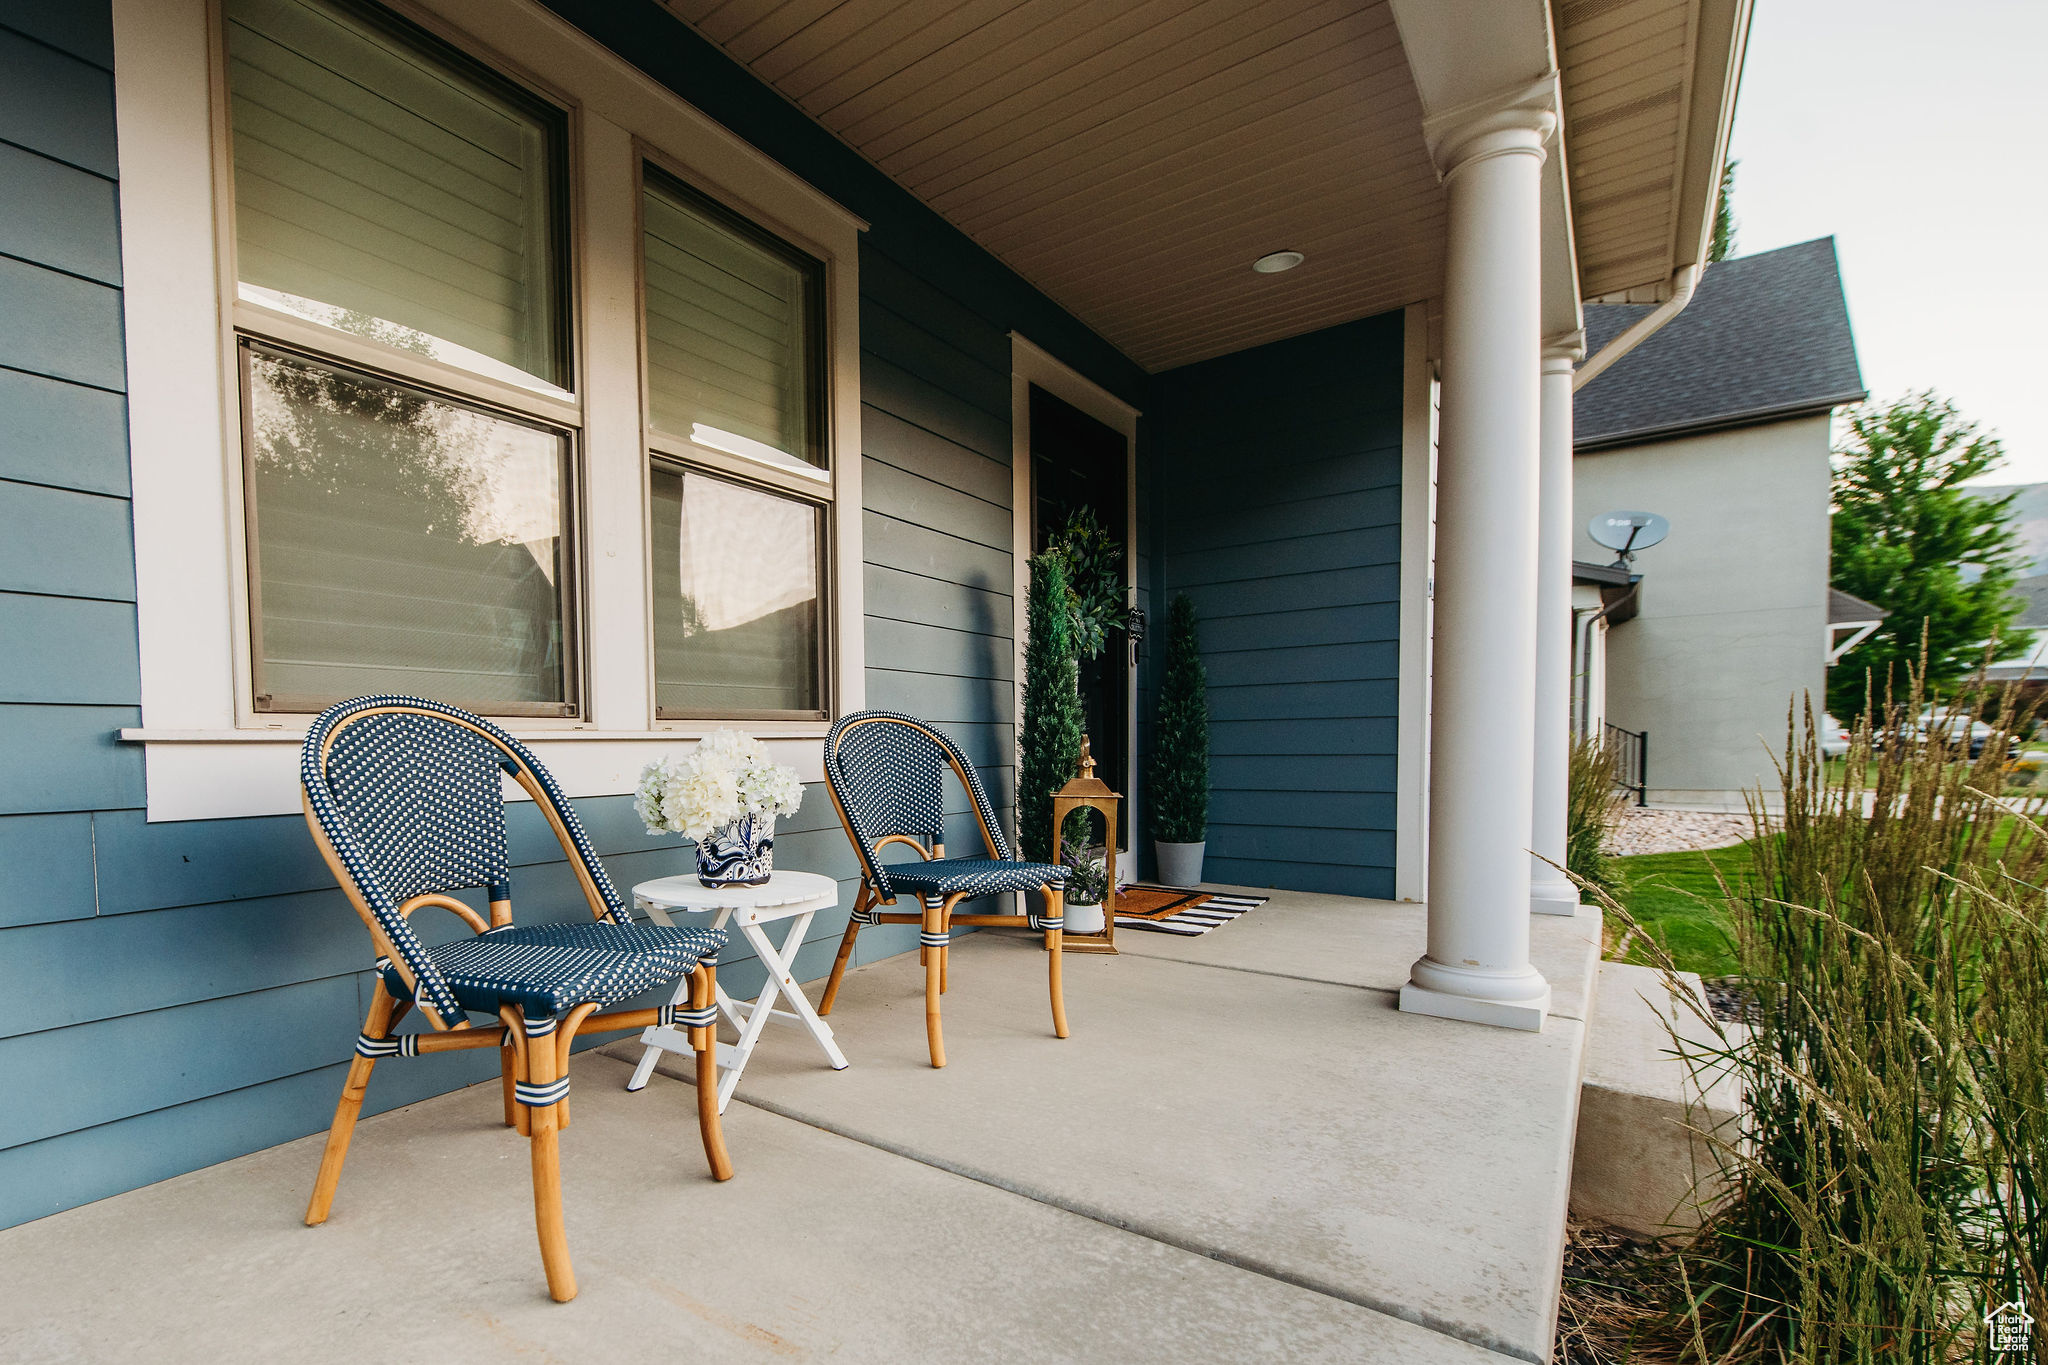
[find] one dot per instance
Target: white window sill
(234, 774)
(285, 734)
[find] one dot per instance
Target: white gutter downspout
(1683, 282)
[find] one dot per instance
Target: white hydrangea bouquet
(724, 794)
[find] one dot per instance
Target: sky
(1917, 134)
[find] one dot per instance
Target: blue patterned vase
(740, 854)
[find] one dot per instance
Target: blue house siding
(1274, 497)
(937, 530)
(173, 995)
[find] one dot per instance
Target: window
(732, 337)
(399, 543)
(740, 480)
(391, 412)
(408, 413)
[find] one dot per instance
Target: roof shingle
(1766, 337)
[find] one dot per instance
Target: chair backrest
(887, 772)
(404, 799)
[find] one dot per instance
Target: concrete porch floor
(1242, 1152)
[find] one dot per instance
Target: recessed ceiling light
(1275, 262)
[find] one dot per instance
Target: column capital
(1519, 119)
(1564, 350)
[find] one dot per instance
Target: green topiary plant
(1180, 744)
(1050, 743)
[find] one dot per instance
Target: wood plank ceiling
(1627, 67)
(1132, 158)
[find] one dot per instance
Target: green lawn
(1676, 900)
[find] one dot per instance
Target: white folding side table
(794, 896)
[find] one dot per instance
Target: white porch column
(1550, 891)
(1483, 693)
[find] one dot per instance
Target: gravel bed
(1656, 829)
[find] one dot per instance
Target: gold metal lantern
(1089, 792)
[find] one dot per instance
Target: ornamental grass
(1593, 803)
(1883, 1193)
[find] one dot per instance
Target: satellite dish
(1626, 532)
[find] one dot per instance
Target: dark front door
(1078, 462)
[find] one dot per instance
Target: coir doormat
(1175, 910)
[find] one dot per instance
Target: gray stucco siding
(1733, 621)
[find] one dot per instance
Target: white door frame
(1031, 365)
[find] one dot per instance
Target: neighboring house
(2029, 512)
(623, 370)
(1851, 621)
(1604, 596)
(1720, 422)
(2028, 666)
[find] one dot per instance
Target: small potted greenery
(1180, 753)
(1087, 888)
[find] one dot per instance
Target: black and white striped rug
(1198, 918)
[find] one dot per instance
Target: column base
(1526, 1015)
(1553, 898)
(1517, 999)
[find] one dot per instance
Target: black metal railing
(1631, 750)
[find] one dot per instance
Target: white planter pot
(1179, 864)
(1084, 919)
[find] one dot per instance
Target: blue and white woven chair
(887, 776)
(404, 800)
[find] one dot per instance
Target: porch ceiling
(1132, 159)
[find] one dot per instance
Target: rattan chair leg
(933, 1034)
(377, 1025)
(935, 917)
(703, 991)
(514, 1054)
(946, 952)
(539, 1065)
(1055, 905)
(505, 1068)
(565, 1038)
(853, 926)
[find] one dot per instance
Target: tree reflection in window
(400, 542)
(736, 598)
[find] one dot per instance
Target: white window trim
(206, 756)
(1030, 364)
